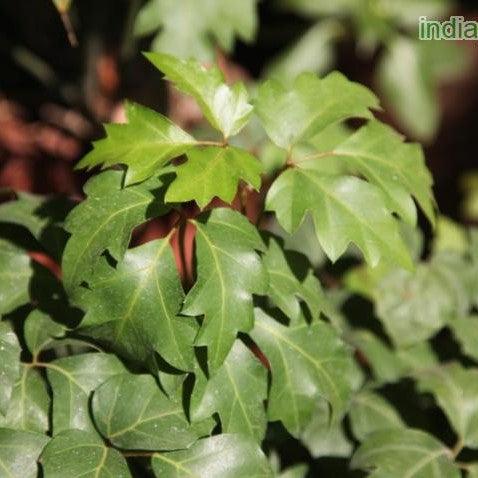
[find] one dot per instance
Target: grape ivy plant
(115, 364)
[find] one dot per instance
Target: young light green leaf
(285, 289)
(307, 362)
(229, 272)
(30, 403)
(133, 413)
(133, 308)
(213, 172)
(15, 275)
(465, 331)
(369, 413)
(19, 452)
(41, 331)
(379, 154)
(72, 380)
(312, 104)
(456, 391)
(76, 453)
(236, 392)
(397, 453)
(323, 438)
(414, 306)
(345, 209)
(220, 456)
(226, 108)
(9, 364)
(144, 144)
(104, 221)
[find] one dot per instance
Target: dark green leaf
(221, 456)
(76, 453)
(133, 308)
(132, 412)
(236, 392)
(229, 272)
(9, 364)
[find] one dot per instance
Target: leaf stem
(219, 144)
(457, 448)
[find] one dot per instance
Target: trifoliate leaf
(213, 172)
(144, 144)
(312, 104)
(285, 289)
(133, 308)
(76, 453)
(229, 273)
(345, 209)
(221, 456)
(104, 221)
(323, 438)
(9, 364)
(72, 380)
(307, 362)
(414, 306)
(226, 108)
(397, 453)
(379, 154)
(19, 452)
(202, 23)
(465, 329)
(15, 275)
(132, 412)
(369, 413)
(236, 392)
(30, 403)
(456, 391)
(41, 331)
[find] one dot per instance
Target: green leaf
(323, 438)
(312, 52)
(213, 172)
(221, 456)
(465, 331)
(104, 221)
(229, 272)
(379, 154)
(132, 412)
(9, 365)
(30, 403)
(449, 236)
(472, 470)
(369, 413)
(41, 331)
(285, 289)
(307, 362)
(15, 275)
(144, 144)
(202, 23)
(226, 108)
(345, 209)
(312, 104)
(405, 452)
(412, 94)
(414, 306)
(456, 391)
(76, 453)
(19, 452)
(133, 308)
(236, 392)
(72, 380)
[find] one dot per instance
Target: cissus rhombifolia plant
(121, 368)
